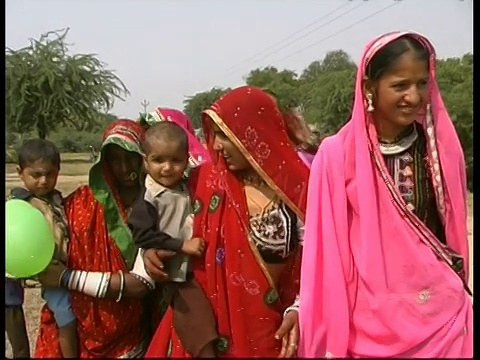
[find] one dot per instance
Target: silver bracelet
(145, 282)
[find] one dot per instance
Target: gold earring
(370, 107)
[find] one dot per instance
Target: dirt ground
(68, 183)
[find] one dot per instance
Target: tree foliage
(284, 84)
(195, 104)
(46, 87)
(324, 93)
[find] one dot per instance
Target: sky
(165, 50)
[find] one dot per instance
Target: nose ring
(133, 176)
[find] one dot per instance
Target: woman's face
(233, 157)
(400, 93)
(125, 165)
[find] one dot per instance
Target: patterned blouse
(276, 233)
(410, 173)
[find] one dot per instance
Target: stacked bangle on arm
(294, 307)
(122, 285)
(96, 283)
(88, 282)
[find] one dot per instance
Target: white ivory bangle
(139, 272)
(290, 308)
(294, 307)
(122, 285)
(91, 283)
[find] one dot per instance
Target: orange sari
(100, 241)
(247, 304)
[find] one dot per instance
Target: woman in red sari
(107, 294)
(249, 205)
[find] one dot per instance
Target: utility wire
(336, 33)
(235, 68)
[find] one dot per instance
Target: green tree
(47, 88)
(284, 84)
(195, 104)
(327, 101)
(455, 79)
(336, 60)
(326, 91)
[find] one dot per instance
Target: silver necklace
(399, 146)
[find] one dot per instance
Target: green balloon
(29, 241)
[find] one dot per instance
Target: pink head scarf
(198, 153)
(370, 286)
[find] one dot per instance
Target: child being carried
(162, 218)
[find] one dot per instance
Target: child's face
(39, 177)
(166, 162)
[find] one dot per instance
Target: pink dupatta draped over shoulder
(370, 286)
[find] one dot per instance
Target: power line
(285, 39)
(234, 68)
(336, 33)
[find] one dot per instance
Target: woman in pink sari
(385, 260)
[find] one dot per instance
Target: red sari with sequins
(247, 304)
(99, 241)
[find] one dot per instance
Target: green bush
(76, 141)
(67, 141)
(10, 156)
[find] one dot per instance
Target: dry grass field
(74, 173)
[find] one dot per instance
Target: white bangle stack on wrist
(95, 283)
(89, 282)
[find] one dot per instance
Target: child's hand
(195, 247)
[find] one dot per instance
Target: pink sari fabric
(198, 152)
(370, 287)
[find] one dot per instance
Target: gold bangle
(122, 285)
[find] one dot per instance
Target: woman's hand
(288, 332)
(50, 277)
(153, 260)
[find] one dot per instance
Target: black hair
(38, 149)
(386, 57)
(165, 131)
